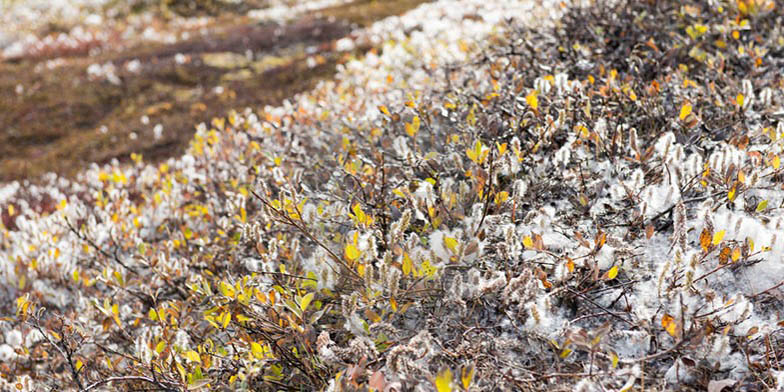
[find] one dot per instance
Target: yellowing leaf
(477, 154)
(256, 350)
(306, 301)
(226, 319)
(78, 365)
(735, 254)
(408, 265)
(612, 273)
(444, 381)
(705, 239)
(193, 356)
(685, 111)
(352, 253)
(731, 193)
(413, 127)
(570, 265)
(528, 242)
(670, 325)
(451, 244)
(718, 237)
(467, 375)
(762, 206)
(532, 100)
(776, 162)
(501, 197)
(740, 98)
(384, 110)
(160, 346)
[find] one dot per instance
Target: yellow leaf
(257, 350)
(413, 127)
(685, 111)
(193, 356)
(532, 100)
(570, 265)
(444, 381)
(408, 265)
(501, 148)
(467, 375)
(670, 325)
(352, 253)
(762, 206)
(11, 210)
(735, 254)
(384, 110)
(740, 98)
(718, 237)
(475, 154)
(501, 197)
(306, 301)
(776, 162)
(160, 346)
(451, 244)
(528, 242)
(731, 194)
(226, 289)
(226, 319)
(612, 273)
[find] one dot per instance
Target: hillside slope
(502, 196)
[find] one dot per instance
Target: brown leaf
(377, 381)
(719, 385)
(582, 240)
(600, 239)
(649, 231)
(538, 242)
(724, 256)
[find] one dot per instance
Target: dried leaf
(377, 381)
(705, 239)
(724, 255)
(719, 385)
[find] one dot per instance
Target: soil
(63, 120)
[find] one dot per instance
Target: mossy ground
(55, 124)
